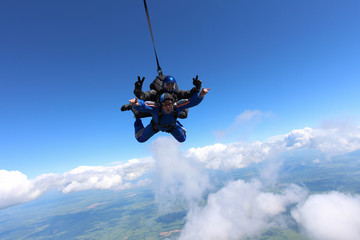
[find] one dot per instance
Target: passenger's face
(167, 106)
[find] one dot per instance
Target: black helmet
(166, 96)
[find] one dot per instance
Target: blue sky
(66, 67)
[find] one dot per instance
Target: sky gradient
(66, 67)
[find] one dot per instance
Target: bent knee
(141, 140)
(181, 138)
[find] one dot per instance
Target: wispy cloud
(176, 179)
(247, 120)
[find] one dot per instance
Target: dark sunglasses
(167, 104)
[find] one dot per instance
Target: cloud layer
(331, 140)
(240, 210)
(16, 188)
(332, 216)
(179, 174)
(176, 180)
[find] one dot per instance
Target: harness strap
(170, 126)
(152, 37)
(154, 126)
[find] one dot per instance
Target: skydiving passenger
(162, 84)
(164, 117)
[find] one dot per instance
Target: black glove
(197, 83)
(139, 83)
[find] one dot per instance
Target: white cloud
(176, 179)
(334, 140)
(181, 174)
(235, 155)
(16, 188)
(98, 177)
(240, 210)
(331, 139)
(332, 216)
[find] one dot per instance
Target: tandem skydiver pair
(165, 103)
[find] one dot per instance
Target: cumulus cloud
(243, 210)
(331, 140)
(240, 210)
(176, 179)
(332, 216)
(235, 155)
(98, 177)
(16, 188)
(182, 174)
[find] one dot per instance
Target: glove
(197, 83)
(139, 83)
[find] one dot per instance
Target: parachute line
(152, 37)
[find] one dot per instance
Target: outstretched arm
(194, 100)
(141, 106)
(182, 94)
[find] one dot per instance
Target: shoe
(126, 107)
(141, 114)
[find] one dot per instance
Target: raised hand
(139, 83)
(197, 83)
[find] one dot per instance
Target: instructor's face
(167, 106)
(169, 86)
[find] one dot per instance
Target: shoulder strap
(175, 113)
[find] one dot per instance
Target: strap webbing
(152, 37)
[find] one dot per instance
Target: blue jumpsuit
(168, 121)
